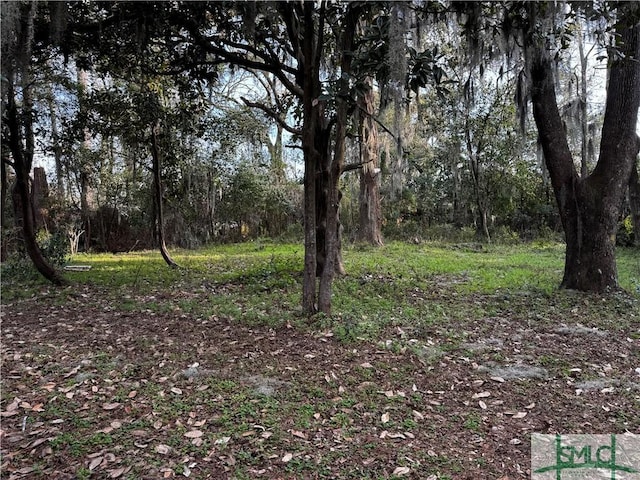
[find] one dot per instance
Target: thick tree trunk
(333, 167)
(39, 196)
(157, 196)
(634, 203)
(589, 207)
(370, 217)
(311, 123)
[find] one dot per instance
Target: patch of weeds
(304, 415)
(409, 424)
(473, 422)
(341, 420)
(83, 473)
(302, 465)
(79, 445)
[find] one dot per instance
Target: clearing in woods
(440, 362)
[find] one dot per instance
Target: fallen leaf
(39, 441)
(399, 471)
(117, 472)
(497, 379)
(481, 395)
(520, 415)
(483, 405)
(176, 390)
(95, 463)
(366, 365)
(194, 434)
(163, 449)
(25, 470)
(110, 406)
(287, 458)
(72, 372)
(298, 433)
(13, 406)
(385, 417)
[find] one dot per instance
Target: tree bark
(634, 203)
(311, 119)
(4, 248)
(589, 207)
(333, 167)
(370, 215)
(584, 121)
(157, 196)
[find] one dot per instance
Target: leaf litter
(86, 386)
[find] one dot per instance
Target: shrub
(624, 238)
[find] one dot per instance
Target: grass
(418, 306)
(258, 283)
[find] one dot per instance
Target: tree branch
(273, 114)
(355, 166)
(384, 127)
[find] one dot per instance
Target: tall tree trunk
(157, 197)
(333, 167)
(22, 153)
(589, 207)
(4, 248)
(311, 124)
(55, 139)
(634, 202)
(370, 217)
(85, 171)
(481, 203)
(584, 121)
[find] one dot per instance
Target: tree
(370, 215)
(18, 119)
(589, 206)
(293, 41)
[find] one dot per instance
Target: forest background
(142, 137)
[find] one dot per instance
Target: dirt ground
(90, 390)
